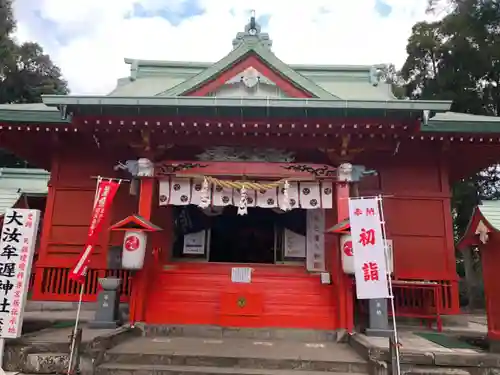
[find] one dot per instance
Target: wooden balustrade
(419, 299)
(53, 284)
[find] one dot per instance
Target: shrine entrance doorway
(250, 238)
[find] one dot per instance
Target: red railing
(54, 284)
(426, 300)
(413, 295)
(419, 300)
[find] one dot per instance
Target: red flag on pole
(106, 191)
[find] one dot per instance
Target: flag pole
(79, 308)
(391, 294)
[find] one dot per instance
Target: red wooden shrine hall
(248, 126)
(197, 284)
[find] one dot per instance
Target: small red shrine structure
(248, 124)
(483, 233)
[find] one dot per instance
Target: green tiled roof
(452, 122)
(491, 213)
(238, 54)
(14, 182)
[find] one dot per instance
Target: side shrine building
(248, 120)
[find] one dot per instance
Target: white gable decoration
(249, 83)
(250, 77)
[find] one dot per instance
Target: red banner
(106, 191)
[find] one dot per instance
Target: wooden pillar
(140, 282)
(46, 230)
(490, 257)
(345, 290)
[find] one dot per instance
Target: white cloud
(98, 33)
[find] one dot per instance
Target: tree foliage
(26, 72)
(458, 58)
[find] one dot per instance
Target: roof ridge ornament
(252, 35)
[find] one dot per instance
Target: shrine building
(251, 129)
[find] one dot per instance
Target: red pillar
(140, 282)
(345, 290)
(490, 257)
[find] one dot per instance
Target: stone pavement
(232, 356)
(235, 347)
(415, 349)
(63, 315)
(418, 355)
(411, 342)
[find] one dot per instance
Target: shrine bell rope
(245, 184)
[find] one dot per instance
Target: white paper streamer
(242, 208)
(204, 195)
(285, 201)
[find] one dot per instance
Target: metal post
(75, 332)
(74, 357)
(394, 341)
(72, 348)
(2, 348)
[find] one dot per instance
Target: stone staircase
(195, 350)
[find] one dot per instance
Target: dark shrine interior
(243, 238)
(252, 238)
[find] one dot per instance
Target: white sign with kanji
(17, 247)
(370, 268)
(315, 240)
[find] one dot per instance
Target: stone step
(237, 353)
(216, 332)
(130, 369)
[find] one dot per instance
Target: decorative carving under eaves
(224, 153)
(324, 171)
(250, 77)
(172, 168)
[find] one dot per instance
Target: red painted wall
(279, 296)
(69, 205)
(417, 208)
(418, 217)
(490, 257)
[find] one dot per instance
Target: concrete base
(494, 346)
(217, 332)
(375, 332)
(95, 324)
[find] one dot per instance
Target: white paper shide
(17, 247)
(368, 247)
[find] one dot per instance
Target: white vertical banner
(17, 247)
(368, 244)
(315, 240)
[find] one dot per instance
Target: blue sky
(88, 39)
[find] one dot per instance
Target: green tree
(458, 59)
(26, 73)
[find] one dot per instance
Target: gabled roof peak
(252, 35)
